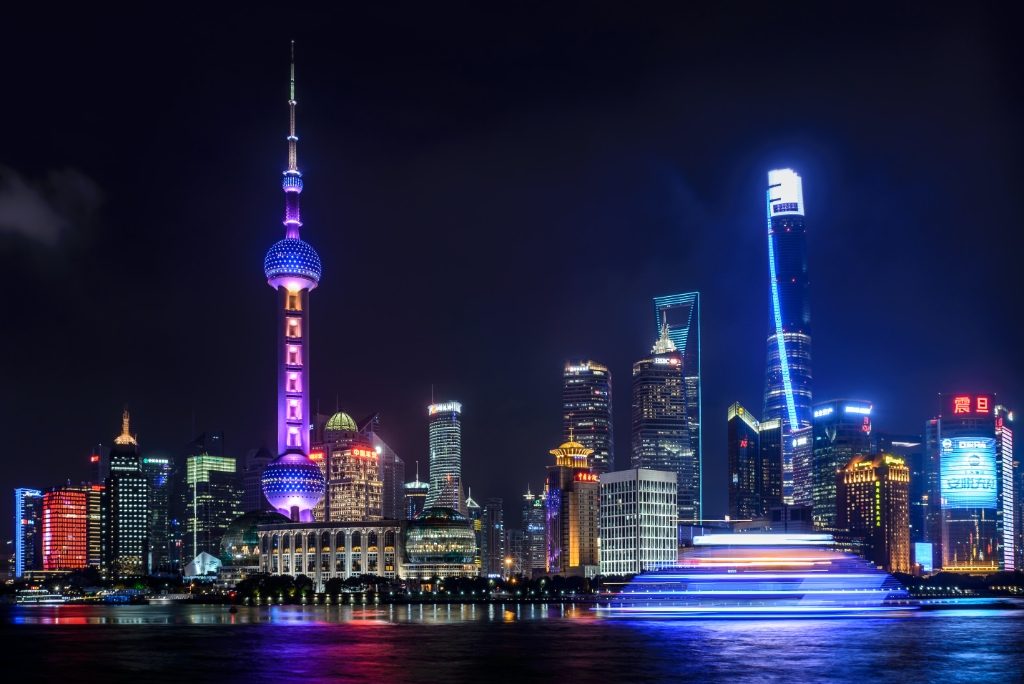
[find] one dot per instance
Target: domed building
(239, 547)
(338, 424)
(440, 542)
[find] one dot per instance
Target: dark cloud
(45, 211)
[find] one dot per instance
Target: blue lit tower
(681, 313)
(292, 483)
(787, 391)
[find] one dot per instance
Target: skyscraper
(769, 471)
(1006, 517)
(660, 433)
(353, 485)
(475, 514)
(638, 521)
(254, 463)
(94, 500)
(28, 525)
(292, 483)
(533, 518)
(445, 442)
(842, 430)
(969, 450)
(213, 502)
(338, 435)
(587, 410)
(682, 314)
(125, 505)
(392, 471)
(495, 544)
(415, 496)
(787, 392)
(743, 446)
(872, 503)
(158, 471)
(572, 501)
(65, 529)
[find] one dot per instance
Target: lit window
(293, 327)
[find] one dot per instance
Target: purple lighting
(292, 483)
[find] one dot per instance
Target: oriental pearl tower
(292, 483)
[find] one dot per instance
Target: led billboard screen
(968, 466)
(923, 556)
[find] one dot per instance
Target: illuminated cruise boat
(761, 576)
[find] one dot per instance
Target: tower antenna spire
(292, 183)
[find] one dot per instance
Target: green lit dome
(341, 422)
(240, 543)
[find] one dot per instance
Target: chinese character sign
(968, 472)
(968, 405)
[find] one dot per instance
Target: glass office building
(787, 393)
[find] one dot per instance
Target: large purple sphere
(292, 481)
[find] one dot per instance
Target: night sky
(490, 195)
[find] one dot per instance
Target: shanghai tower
(292, 483)
(787, 389)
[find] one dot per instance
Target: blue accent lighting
(292, 257)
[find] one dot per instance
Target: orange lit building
(65, 529)
(872, 502)
(572, 502)
(354, 488)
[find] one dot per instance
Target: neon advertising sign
(968, 472)
(970, 405)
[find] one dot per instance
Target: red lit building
(65, 529)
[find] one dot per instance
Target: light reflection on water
(494, 642)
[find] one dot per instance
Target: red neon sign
(966, 404)
(94, 458)
(316, 455)
(587, 477)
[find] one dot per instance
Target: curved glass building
(787, 391)
(440, 542)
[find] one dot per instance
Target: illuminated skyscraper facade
(743, 446)
(445, 442)
(65, 529)
(415, 496)
(292, 483)
(572, 502)
(213, 502)
(660, 433)
(842, 430)
(159, 472)
(587, 410)
(1006, 518)
(94, 500)
(787, 392)
(638, 521)
(969, 457)
(28, 527)
(494, 548)
(354, 489)
(873, 504)
(769, 469)
(681, 312)
(125, 510)
(533, 530)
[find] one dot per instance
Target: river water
(493, 643)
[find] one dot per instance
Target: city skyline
(223, 385)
